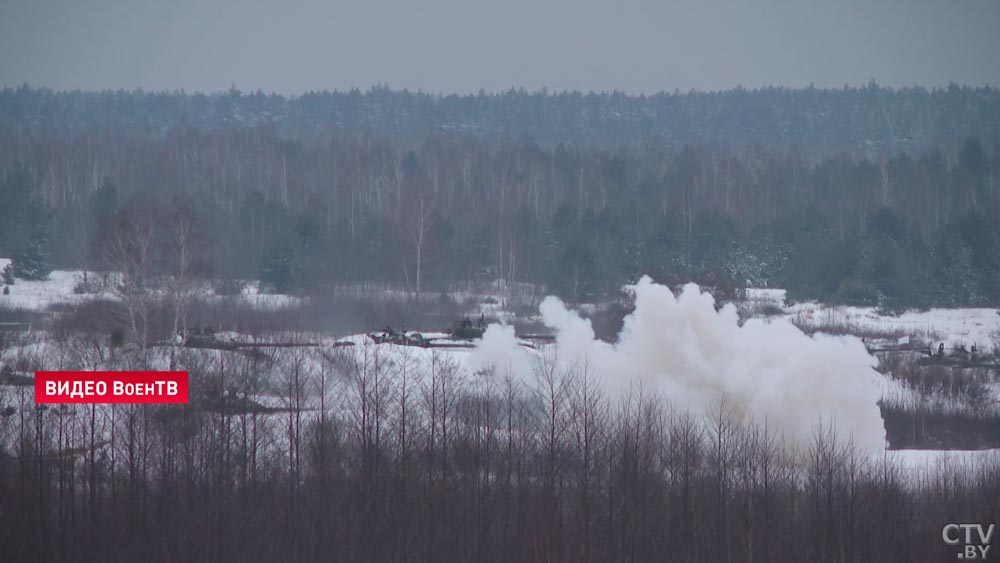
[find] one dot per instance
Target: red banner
(166, 387)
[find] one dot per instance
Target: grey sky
(294, 46)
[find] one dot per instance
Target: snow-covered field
(251, 295)
(60, 288)
(492, 300)
(953, 327)
(57, 290)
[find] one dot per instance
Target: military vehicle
(466, 329)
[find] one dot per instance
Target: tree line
(895, 231)
(866, 120)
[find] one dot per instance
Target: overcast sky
(293, 46)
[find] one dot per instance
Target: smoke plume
(696, 356)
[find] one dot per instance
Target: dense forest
(896, 204)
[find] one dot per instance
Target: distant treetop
(865, 120)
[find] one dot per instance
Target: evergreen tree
(276, 272)
(101, 209)
(25, 225)
(32, 263)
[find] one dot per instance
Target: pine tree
(25, 225)
(32, 263)
(276, 269)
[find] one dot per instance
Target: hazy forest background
(865, 195)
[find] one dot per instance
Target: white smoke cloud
(499, 350)
(696, 355)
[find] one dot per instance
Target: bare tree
(417, 224)
(183, 254)
(130, 253)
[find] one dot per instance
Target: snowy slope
(966, 326)
(40, 295)
(59, 289)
